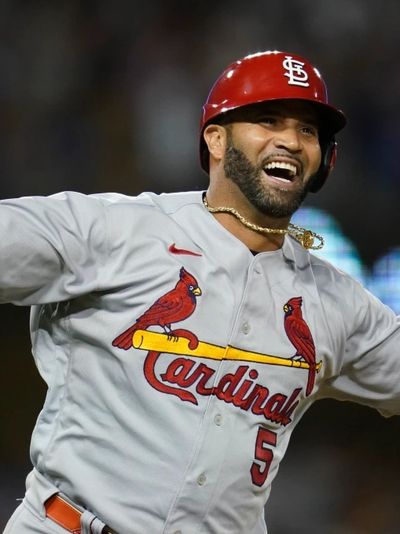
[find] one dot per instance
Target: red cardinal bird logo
(176, 305)
(300, 336)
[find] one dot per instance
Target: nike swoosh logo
(174, 250)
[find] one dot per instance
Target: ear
(215, 139)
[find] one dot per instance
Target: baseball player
(183, 336)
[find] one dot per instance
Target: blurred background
(106, 96)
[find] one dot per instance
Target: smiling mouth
(281, 170)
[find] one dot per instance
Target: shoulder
(132, 219)
(337, 285)
(103, 208)
(163, 202)
(356, 305)
(325, 275)
(147, 208)
(336, 288)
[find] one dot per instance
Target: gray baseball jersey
(177, 362)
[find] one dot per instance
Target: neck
(230, 195)
(254, 240)
(257, 237)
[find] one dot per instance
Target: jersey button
(245, 328)
(177, 532)
(201, 479)
(218, 419)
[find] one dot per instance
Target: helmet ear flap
(329, 155)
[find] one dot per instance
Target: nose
(288, 138)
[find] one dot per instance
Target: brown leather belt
(66, 515)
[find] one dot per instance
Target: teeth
(282, 165)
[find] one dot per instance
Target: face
(272, 152)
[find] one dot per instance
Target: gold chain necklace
(302, 235)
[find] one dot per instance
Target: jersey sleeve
(370, 370)
(51, 248)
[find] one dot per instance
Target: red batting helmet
(274, 75)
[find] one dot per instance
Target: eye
(191, 288)
(309, 130)
(267, 120)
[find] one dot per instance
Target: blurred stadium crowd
(100, 95)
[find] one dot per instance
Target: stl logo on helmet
(295, 72)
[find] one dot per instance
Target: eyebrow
(300, 116)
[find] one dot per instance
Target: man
(183, 336)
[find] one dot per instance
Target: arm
(370, 373)
(51, 248)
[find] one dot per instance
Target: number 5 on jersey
(264, 455)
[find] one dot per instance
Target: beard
(277, 203)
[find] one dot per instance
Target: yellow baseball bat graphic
(155, 341)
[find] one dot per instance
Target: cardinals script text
(238, 388)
